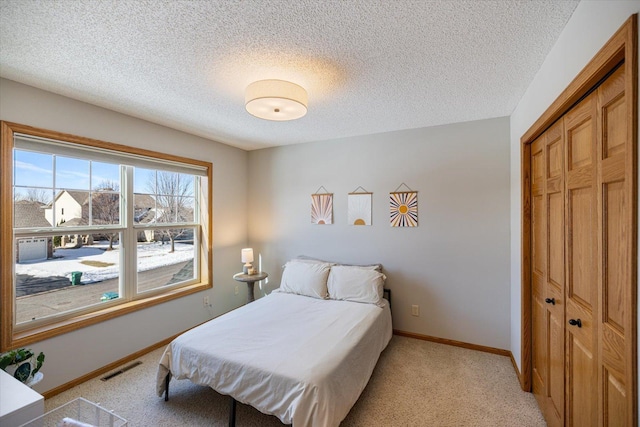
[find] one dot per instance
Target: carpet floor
(416, 383)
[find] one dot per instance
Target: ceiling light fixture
(277, 100)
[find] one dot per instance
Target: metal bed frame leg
(232, 406)
(232, 413)
(166, 387)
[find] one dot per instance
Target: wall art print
(322, 208)
(403, 209)
(359, 209)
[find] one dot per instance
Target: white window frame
(24, 137)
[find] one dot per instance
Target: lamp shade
(277, 100)
(247, 255)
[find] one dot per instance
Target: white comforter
(302, 359)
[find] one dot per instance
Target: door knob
(574, 322)
(550, 301)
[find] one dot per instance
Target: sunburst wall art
(322, 208)
(359, 209)
(403, 209)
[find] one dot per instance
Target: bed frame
(233, 403)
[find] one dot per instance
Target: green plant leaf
(40, 361)
(23, 354)
(7, 359)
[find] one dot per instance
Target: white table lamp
(247, 258)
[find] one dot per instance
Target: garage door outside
(34, 249)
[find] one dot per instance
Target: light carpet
(416, 383)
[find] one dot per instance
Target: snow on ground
(150, 256)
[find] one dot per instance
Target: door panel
(616, 257)
(556, 240)
(539, 312)
(614, 401)
(582, 403)
(555, 164)
(581, 247)
(538, 235)
(554, 192)
(614, 109)
(582, 267)
(579, 137)
(537, 183)
(615, 135)
(539, 348)
(548, 272)
(615, 368)
(556, 365)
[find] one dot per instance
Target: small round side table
(250, 280)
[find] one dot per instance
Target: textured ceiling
(369, 66)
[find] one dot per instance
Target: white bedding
(302, 359)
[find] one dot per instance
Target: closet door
(582, 265)
(538, 262)
(548, 273)
(555, 288)
(615, 281)
(580, 258)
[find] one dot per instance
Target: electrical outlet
(237, 290)
(415, 310)
(206, 301)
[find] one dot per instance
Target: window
(98, 230)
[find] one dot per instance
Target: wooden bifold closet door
(582, 281)
(548, 272)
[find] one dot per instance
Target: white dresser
(18, 402)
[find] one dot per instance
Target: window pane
(105, 175)
(144, 209)
(33, 169)
(53, 276)
(165, 257)
(166, 209)
(187, 185)
(186, 209)
(42, 195)
(30, 208)
(168, 183)
(144, 181)
(72, 174)
(105, 207)
(173, 195)
(71, 208)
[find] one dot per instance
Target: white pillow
(376, 267)
(356, 284)
(309, 261)
(304, 278)
(304, 258)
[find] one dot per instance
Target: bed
(303, 358)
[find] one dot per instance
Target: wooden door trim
(526, 345)
(622, 46)
(610, 55)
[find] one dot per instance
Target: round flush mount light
(277, 100)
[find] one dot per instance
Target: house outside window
(98, 229)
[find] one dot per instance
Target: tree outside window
(174, 203)
(105, 207)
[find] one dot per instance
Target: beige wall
(77, 353)
(454, 265)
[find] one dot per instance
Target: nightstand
(20, 404)
(250, 280)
